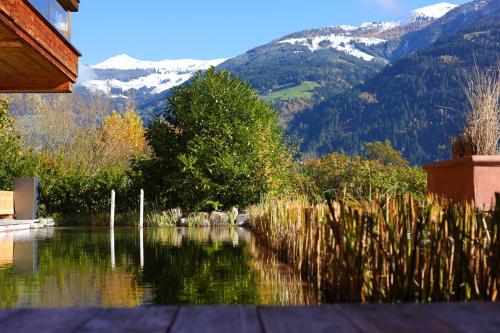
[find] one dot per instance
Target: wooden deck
(455, 317)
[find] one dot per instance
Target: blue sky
(208, 29)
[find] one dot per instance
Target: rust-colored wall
(474, 178)
(451, 179)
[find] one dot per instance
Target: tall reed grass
(388, 250)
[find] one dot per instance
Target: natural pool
(65, 267)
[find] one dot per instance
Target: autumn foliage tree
(78, 147)
(123, 137)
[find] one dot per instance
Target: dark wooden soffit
(71, 5)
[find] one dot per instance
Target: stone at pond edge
(243, 220)
(219, 218)
(46, 223)
(233, 215)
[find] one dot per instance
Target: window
(55, 14)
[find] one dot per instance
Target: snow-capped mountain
(121, 75)
(338, 42)
(344, 38)
(335, 58)
(432, 12)
(367, 47)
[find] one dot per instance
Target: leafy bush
(383, 172)
(216, 142)
(15, 161)
(72, 191)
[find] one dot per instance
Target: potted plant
(473, 174)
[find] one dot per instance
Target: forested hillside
(417, 102)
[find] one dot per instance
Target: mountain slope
(417, 102)
(335, 59)
(457, 18)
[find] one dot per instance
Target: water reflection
(132, 267)
(112, 247)
(141, 246)
(19, 250)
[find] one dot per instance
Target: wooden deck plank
(218, 319)
(315, 319)
(6, 314)
(392, 318)
(428, 318)
(467, 317)
(47, 320)
(147, 319)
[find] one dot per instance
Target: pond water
(126, 267)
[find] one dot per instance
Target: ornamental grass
(393, 249)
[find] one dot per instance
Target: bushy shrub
(361, 178)
(14, 161)
(67, 190)
(216, 142)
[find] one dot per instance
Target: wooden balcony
(34, 55)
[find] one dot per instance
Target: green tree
(11, 153)
(384, 153)
(216, 142)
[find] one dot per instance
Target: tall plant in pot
(474, 172)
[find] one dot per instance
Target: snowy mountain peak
(121, 74)
(117, 62)
(421, 15)
(126, 62)
(432, 12)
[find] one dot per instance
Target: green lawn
(285, 93)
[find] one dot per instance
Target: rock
(44, 223)
(243, 220)
(219, 218)
(182, 222)
(233, 215)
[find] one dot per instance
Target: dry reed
(482, 128)
(391, 250)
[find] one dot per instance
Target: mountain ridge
(123, 76)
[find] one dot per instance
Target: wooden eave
(71, 5)
(34, 56)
